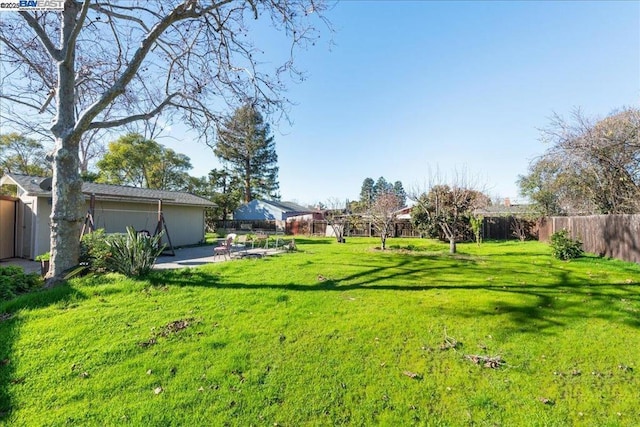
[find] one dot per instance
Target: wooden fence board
(613, 236)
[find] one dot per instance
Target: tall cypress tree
(248, 151)
(366, 192)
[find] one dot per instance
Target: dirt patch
(169, 329)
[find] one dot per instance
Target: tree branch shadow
(540, 307)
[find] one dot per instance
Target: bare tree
(383, 213)
(592, 166)
(102, 64)
(444, 205)
(337, 216)
(522, 225)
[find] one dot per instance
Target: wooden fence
(614, 236)
(306, 227)
(248, 226)
(495, 228)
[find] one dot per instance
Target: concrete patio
(202, 255)
(184, 258)
(27, 265)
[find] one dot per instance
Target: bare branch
(20, 101)
(182, 12)
(133, 118)
(124, 16)
(42, 35)
(23, 57)
(69, 48)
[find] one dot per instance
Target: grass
(333, 335)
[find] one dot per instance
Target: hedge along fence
(614, 236)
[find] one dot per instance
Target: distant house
(274, 210)
(504, 209)
(25, 220)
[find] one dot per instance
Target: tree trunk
(67, 198)
(452, 245)
(383, 241)
(66, 209)
(247, 182)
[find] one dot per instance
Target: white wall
(41, 242)
(185, 223)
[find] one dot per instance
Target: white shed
(116, 207)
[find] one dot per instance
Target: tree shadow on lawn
(544, 299)
(304, 241)
(10, 323)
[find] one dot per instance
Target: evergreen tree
(366, 192)
(381, 187)
(246, 147)
(227, 194)
(398, 190)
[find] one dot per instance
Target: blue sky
(409, 85)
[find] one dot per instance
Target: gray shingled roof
(31, 185)
(288, 206)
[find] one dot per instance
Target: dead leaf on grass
(493, 362)
(157, 390)
(449, 342)
(413, 375)
(176, 326)
(148, 343)
(546, 400)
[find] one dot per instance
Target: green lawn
(333, 334)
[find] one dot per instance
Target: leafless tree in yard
(591, 167)
(383, 212)
(99, 65)
(444, 204)
(337, 217)
(522, 225)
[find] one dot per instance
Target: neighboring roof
(31, 185)
(288, 206)
(497, 210)
(269, 210)
(493, 210)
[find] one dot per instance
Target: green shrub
(43, 257)
(14, 281)
(564, 247)
(94, 251)
(476, 226)
(133, 254)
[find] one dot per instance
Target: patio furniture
(260, 239)
(224, 248)
(241, 244)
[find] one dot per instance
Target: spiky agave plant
(133, 254)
